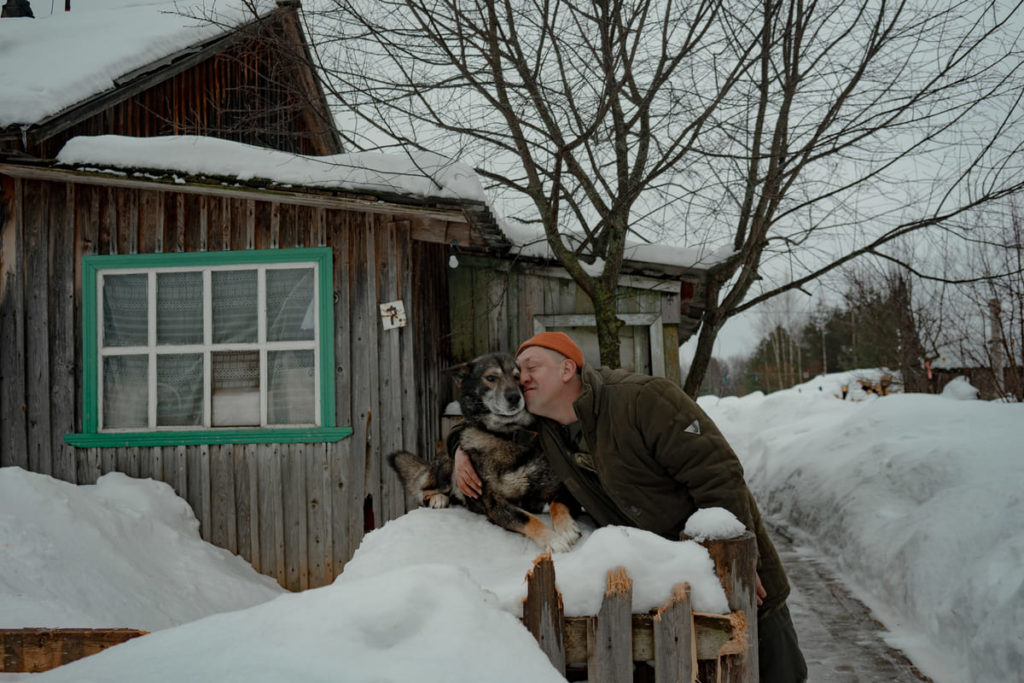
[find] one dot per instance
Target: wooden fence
(33, 650)
(675, 642)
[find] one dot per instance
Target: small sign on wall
(392, 314)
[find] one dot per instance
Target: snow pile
(121, 553)
(428, 624)
(960, 388)
(63, 58)
(713, 524)
(498, 561)
(421, 174)
(917, 497)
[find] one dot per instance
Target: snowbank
(428, 624)
(917, 497)
(122, 553)
(498, 561)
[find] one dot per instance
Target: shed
(191, 291)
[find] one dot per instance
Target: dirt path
(839, 639)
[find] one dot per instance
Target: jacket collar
(587, 402)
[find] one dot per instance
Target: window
(208, 348)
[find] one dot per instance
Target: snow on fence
(680, 644)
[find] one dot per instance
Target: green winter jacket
(652, 459)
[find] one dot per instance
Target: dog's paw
(436, 500)
(570, 532)
(563, 539)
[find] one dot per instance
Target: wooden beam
(451, 215)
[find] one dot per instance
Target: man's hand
(466, 478)
(761, 592)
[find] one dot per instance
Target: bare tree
(863, 123)
(769, 127)
(583, 108)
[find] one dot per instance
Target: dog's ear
(460, 370)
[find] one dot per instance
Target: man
(635, 450)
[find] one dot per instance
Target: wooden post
(736, 566)
(610, 633)
(542, 611)
(675, 643)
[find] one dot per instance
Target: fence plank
(542, 611)
(609, 635)
(735, 565)
(675, 643)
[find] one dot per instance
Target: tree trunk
(701, 359)
(608, 325)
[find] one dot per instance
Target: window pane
(179, 389)
(125, 318)
(179, 308)
(126, 391)
(236, 388)
(234, 306)
(290, 304)
(290, 387)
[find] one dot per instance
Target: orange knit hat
(556, 341)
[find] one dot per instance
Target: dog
(496, 433)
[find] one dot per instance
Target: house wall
(493, 302)
(295, 511)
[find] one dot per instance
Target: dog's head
(490, 393)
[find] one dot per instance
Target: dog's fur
(496, 434)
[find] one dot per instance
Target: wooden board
(32, 650)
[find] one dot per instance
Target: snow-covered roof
(61, 58)
(530, 242)
(423, 175)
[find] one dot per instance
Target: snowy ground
(915, 499)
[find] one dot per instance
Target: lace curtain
(235, 374)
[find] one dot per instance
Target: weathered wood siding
(295, 511)
(493, 302)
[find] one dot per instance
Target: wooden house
(260, 346)
(499, 299)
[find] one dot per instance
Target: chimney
(16, 8)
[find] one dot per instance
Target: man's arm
(691, 449)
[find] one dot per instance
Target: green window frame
(149, 352)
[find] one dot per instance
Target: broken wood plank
(609, 634)
(542, 611)
(675, 641)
